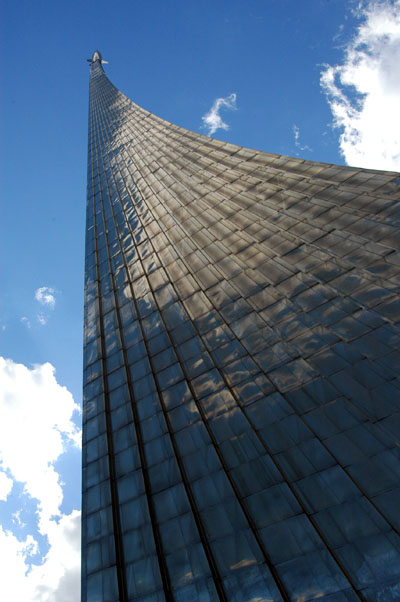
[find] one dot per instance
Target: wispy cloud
(364, 91)
(46, 296)
(24, 320)
(42, 319)
(339, 33)
(212, 121)
(296, 132)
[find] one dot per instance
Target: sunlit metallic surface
(97, 57)
(241, 379)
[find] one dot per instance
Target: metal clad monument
(241, 377)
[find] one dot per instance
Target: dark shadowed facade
(241, 380)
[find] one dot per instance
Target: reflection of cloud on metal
(243, 563)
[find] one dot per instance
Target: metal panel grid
(241, 378)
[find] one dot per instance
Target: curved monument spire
(241, 403)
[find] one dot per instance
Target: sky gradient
(317, 79)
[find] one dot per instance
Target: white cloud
(16, 517)
(36, 427)
(364, 91)
(6, 484)
(26, 321)
(14, 583)
(41, 318)
(57, 578)
(296, 132)
(46, 296)
(212, 120)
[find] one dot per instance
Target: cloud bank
(364, 91)
(36, 428)
(212, 121)
(57, 579)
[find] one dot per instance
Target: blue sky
(317, 79)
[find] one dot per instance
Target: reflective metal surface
(241, 379)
